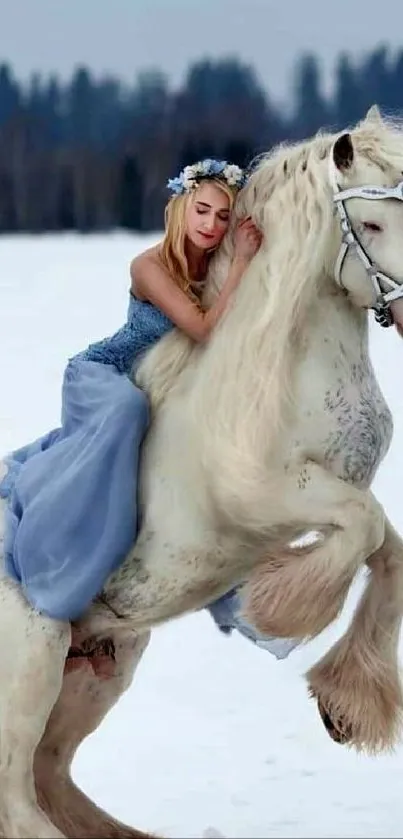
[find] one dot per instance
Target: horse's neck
(333, 368)
(336, 330)
(327, 324)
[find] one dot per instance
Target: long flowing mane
(288, 196)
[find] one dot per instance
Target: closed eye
(372, 227)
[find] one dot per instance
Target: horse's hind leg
(84, 701)
(32, 656)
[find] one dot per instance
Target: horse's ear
(373, 115)
(343, 152)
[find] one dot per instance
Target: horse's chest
(360, 426)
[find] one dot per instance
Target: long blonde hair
(172, 249)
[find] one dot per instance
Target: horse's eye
(372, 226)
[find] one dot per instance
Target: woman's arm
(154, 283)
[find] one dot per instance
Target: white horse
(274, 429)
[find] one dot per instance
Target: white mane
(288, 197)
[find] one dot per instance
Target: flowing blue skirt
(72, 493)
(71, 516)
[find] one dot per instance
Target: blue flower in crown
(175, 185)
(189, 178)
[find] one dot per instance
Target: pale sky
(127, 36)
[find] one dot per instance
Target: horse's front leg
(357, 683)
(296, 591)
(161, 580)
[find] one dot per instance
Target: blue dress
(72, 494)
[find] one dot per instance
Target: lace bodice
(145, 325)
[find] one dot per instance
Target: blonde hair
(172, 250)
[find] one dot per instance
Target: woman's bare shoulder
(139, 265)
(151, 254)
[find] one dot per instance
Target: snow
(213, 731)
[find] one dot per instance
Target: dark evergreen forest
(94, 154)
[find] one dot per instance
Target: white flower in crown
(188, 172)
(188, 178)
(233, 174)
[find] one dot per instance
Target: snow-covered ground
(213, 730)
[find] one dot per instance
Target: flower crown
(190, 177)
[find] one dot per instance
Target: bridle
(380, 281)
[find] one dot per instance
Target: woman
(71, 516)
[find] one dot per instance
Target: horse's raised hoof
(336, 729)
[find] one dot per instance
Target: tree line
(95, 154)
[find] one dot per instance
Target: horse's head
(332, 207)
(366, 177)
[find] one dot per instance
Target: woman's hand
(247, 240)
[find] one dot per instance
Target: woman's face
(207, 216)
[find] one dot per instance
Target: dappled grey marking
(364, 424)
